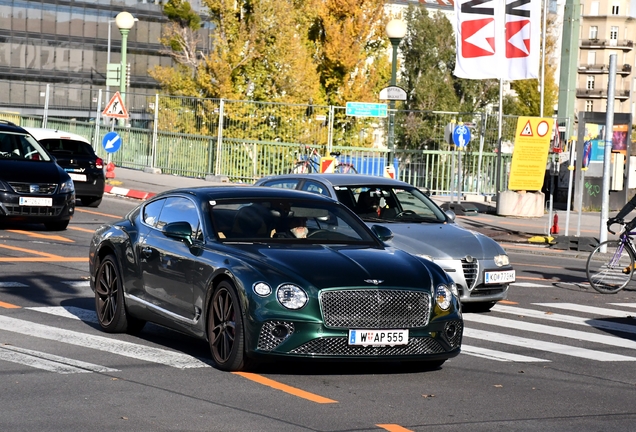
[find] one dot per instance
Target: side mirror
(382, 232)
(450, 214)
(179, 231)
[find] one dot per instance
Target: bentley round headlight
(262, 289)
(501, 260)
(443, 297)
(291, 296)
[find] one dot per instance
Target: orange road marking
(9, 306)
(536, 279)
(285, 388)
(80, 229)
(393, 428)
(43, 236)
(508, 302)
(96, 213)
(52, 259)
(31, 251)
(538, 265)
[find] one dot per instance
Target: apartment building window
(589, 105)
(614, 9)
(593, 32)
(594, 8)
(591, 57)
(590, 82)
(613, 35)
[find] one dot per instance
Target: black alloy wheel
(225, 329)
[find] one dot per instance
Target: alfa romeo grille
(375, 309)
(337, 346)
(29, 189)
(471, 270)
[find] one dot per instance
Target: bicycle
(610, 271)
(309, 162)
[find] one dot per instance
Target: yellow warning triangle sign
(527, 130)
(115, 108)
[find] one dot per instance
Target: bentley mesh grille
(32, 211)
(338, 346)
(456, 339)
(375, 308)
(267, 341)
(471, 270)
(42, 188)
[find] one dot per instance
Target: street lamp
(395, 30)
(125, 21)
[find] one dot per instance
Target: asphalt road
(555, 356)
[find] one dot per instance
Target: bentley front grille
(274, 333)
(375, 308)
(471, 270)
(338, 346)
(34, 188)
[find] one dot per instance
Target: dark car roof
(7, 126)
(345, 179)
(224, 192)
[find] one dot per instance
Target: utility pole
(568, 69)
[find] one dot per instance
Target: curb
(129, 193)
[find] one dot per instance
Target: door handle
(147, 252)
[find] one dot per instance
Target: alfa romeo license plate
(77, 177)
(378, 337)
(500, 277)
(38, 202)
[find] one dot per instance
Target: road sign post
(461, 138)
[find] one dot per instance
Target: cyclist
(619, 219)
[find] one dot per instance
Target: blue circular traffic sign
(111, 142)
(461, 135)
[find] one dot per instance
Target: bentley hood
(442, 241)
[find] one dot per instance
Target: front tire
(226, 333)
(109, 299)
(611, 271)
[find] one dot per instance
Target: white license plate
(500, 277)
(378, 337)
(77, 177)
(39, 202)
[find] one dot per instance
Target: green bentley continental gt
(265, 273)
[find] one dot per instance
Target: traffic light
(128, 75)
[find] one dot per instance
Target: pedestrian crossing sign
(116, 108)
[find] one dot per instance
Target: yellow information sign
(530, 156)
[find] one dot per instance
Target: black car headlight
(67, 186)
(291, 296)
(443, 296)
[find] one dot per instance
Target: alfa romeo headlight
(443, 296)
(291, 296)
(501, 260)
(67, 186)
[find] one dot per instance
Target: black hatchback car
(33, 187)
(76, 156)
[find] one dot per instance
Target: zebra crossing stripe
(78, 284)
(631, 305)
(544, 346)
(498, 355)
(551, 330)
(72, 312)
(587, 309)
(49, 362)
(599, 324)
(101, 343)
(530, 285)
(12, 285)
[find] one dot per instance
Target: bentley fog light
(291, 296)
(501, 260)
(443, 297)
(262, 289)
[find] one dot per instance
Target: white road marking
(49, 362)
(551, 330)
(78, 284)
(498, 355)
(631, 305)
(599, 324)
(545, 346)
(530, 285)
(127, 349)
(587, 309)
(72, 312)
(12, 285)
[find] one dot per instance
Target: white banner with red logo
(498, 39)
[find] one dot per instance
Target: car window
(282, 184)
(58, 145)
(152, 211)
(179, 209)
(313, 186)
(20, 146)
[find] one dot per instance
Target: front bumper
(470, 279)
(62, 208)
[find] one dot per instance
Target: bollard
(555, 224)
(110, 170)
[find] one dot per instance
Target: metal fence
(246, 140)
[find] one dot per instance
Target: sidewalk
(141, 185)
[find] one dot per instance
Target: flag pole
(498, 176)
(544, 34)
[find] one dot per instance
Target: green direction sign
(363, 109)
(113, 74)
